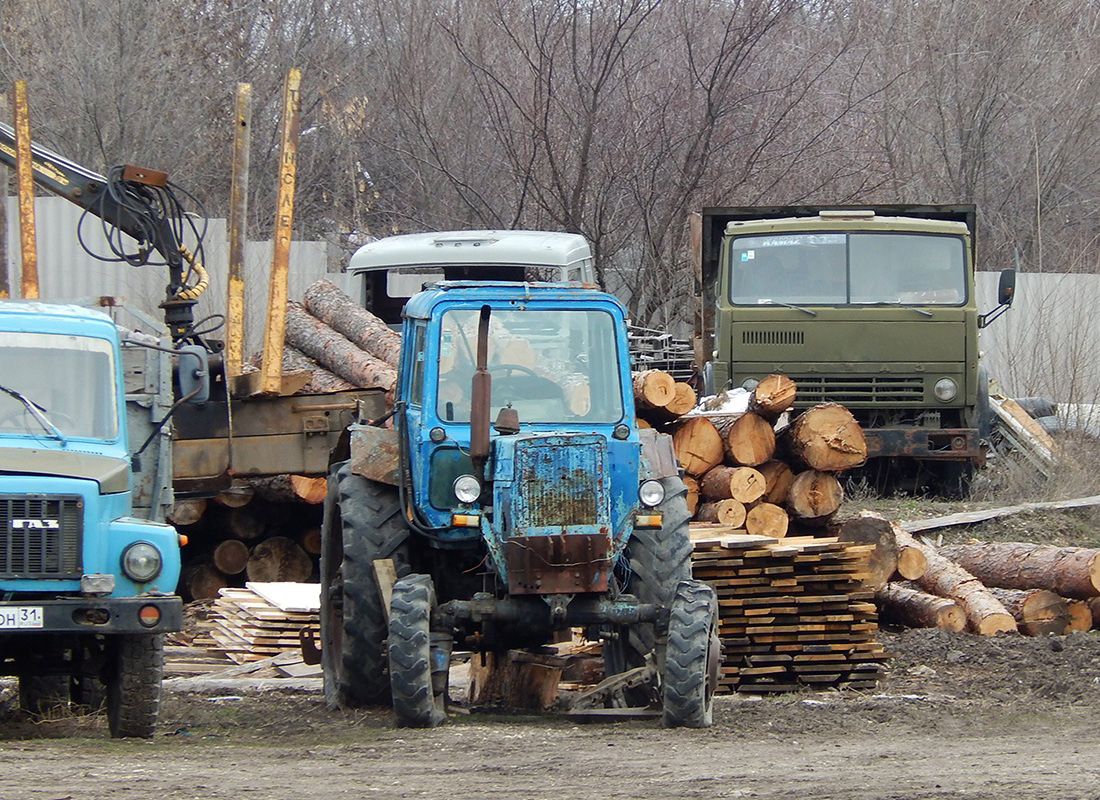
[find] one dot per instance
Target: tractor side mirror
(1007, 287)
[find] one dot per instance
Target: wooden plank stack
(252, 623)
(793, 613)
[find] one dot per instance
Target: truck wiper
(803, 309)
(37, 412)
(900, 304)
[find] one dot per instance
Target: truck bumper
(947, 444)
(108, 615)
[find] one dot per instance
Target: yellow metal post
(25, 181)
(238, 228)
(275, 330)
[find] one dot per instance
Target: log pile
(793, 613)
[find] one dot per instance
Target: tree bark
(918, 609)
(1067, 571)
(772, 396)
(334, 351)
(827, 438)
(231, 556)
(814, 496)
(697, 444)
(325, 301)
(653, 389)
(985, 614)
(767, 519)
(278, 559)
(290, 488)
(1037, 611)
(692, 486)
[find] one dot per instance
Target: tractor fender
(658, 459)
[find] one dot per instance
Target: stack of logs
(981, 587)
(269, 528)
(759, 470)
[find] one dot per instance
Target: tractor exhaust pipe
(480, 392)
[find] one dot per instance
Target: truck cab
(86, 589)
(872, 308)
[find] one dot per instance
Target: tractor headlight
(945, 390)
(141, 562)
(651, 493)
(467, 488)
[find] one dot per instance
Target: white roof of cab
(520, 248)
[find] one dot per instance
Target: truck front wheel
(134, 685)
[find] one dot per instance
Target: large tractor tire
(659, 559)
(134, 685)
(362, 522)
(410, 654)
(692, 657)
(42, 694)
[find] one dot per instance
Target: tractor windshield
(848, 269)
(550, 365)
(57, 384)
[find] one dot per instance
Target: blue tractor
(515, 497)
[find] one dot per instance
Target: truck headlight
(945, 390)
(467, 488)
(651, 493)
(141, 562)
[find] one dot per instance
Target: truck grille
(561, 480)
(877, 390)
(42, 536)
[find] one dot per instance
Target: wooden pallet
(794, 613)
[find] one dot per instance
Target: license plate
(20, 617)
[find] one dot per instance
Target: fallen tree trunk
(728, 512)
(187, 511)
(767, 519)
(985, 614)
(336, 352)
(748, 438)
(653, 389)
(778, 476)
(325, 301)
(1067, 571)
(322, 381)
(1037, 611)
(1080, 616)
(231, 556)
(202, 581)
(279, 559)
(697, 444)
(918, 609)
(814, 497)
(290, 488)
(692, 486)
(740, 483)
(873, 529)
(826, 438)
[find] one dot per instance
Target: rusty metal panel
(952, 444)
(561, 481)
(374, 453)
(568, 563)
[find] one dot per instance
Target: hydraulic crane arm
(135, 201)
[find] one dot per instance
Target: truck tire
(692, 657)
(362, 522)
(658, 559)
(41, 694)
(134, 685)
(410, 656)
(88, 693)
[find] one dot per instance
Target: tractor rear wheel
(410, 654)
(362, 523)
(658, 560)
(692, 657)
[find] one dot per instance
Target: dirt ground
(956, 716)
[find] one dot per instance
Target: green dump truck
(872, 307)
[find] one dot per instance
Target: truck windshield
(550, 365)
(848, 269)
(69, 379)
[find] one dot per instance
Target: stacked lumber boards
(793, 613)
(758, 468)
(261, 620)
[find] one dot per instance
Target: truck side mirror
(1007, 287)
(194, 373)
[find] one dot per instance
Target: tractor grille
(561, 480)
(42, 536)
(859, 391)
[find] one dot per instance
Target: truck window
(848, 269)
(45, 368)
(551, 365)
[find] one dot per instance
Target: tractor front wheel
(692, 657)
(410, 654)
